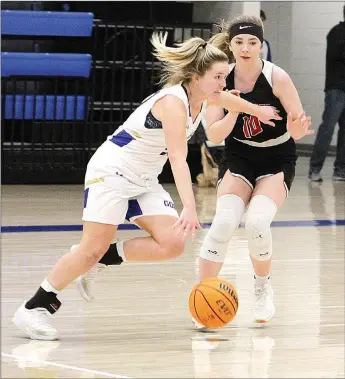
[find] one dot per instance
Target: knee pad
(260, 214)
(229, 212)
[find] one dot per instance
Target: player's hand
(187, 223)
(300, 127)
(267, 113)
(235, 92)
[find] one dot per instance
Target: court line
(75, 368)
(77, 228)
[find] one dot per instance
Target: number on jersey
(251, 126)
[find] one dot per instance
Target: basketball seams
(223, 295)
(196, 312)
(211, 307)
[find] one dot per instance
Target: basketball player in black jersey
(259, 160)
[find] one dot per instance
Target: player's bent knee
(260, 214)
(230, 209)
(223, 225)
(171, 248)
(258, 229)
(93, 251)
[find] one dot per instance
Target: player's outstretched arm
(219, 125)
(234, 103)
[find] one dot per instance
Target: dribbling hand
(187, 223)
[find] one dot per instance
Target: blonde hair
(222, 41)
(180, 63)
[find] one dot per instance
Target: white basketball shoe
(85, 282)
(34, 323)
(198, 326)
(264, 308)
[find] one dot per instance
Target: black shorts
(253, 163)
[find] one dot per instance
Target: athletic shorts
(254, 163)
(112, 199)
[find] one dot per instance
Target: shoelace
(261, 292)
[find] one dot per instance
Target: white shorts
(110, 199)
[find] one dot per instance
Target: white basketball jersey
(140, 142)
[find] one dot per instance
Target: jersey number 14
(251, 126)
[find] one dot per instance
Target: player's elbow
(216, 140)
(214, 137)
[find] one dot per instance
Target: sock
(121, 251)
(112, 256)
(44, 299)
(261, 280)
(48, 287)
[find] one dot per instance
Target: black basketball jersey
(248, 128)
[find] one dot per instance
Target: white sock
(261, 280)
(48, 287)
(120, 250)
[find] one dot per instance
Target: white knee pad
(260, 214)
(229, 212)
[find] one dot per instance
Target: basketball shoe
(197, 325)
(264, 308)
(85, 282)
(34, 323)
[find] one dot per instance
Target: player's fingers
(307, 120)
(235, 91)
(193, 233)
(307, 125)
(184, 224)
(186, 231)
(301, 116)
(270, 123)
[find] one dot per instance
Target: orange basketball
(213, 302)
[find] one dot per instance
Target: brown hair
(222, 41)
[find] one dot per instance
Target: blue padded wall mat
(46, 23)
(45, 64)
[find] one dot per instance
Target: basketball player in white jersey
(121, 178)
(259, 160)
